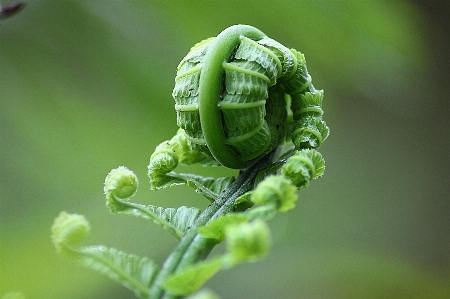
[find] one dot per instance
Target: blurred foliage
(85, 86)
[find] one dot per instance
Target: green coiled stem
(211, 88)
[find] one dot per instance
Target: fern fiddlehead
(243, 101)
(238, 96)
(232, 92)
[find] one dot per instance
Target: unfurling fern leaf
(232, 93)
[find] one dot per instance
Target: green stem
(192, 247)
(210, 91)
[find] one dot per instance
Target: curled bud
(69, 230)
(162, 161)
(247, 242)
(309, 132)
(303, 166)
(178, 150)
(275, 190)
(121, 182)
(170, 153)
(308, 104)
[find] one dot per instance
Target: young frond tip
(69, 230)
(121, 183)
(303, 166)
(275, 190)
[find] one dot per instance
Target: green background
(85, 86)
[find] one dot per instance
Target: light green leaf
(243, 202)
(243, 199)
(174, 221)
(247, 242)
(190, 279)
(204, 294)
(215, 229)
(179, 219)
(275, 190)
(130, 270)
(264, 212)
(166, 180)
(209, 187)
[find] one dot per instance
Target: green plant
(243, 101)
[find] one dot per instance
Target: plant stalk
(192, 247)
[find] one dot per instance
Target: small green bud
(303, 166)
(309, 132)
(177, 150)
(247, 242)
(162, 161)
(121, 182)
(275, 190)
(69, 230)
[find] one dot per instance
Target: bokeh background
(85, 86)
